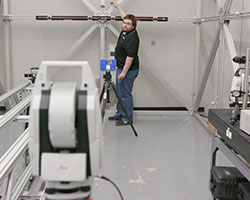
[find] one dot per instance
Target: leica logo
(63, 167)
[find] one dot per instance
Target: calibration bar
(96, 18)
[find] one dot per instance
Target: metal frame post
(7, 44)
(246, 80)
(196, 53)
(220, 78)
(212, 54)
(230, 46)
(220, 81)
(102, 42)
(209, 65)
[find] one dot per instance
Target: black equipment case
(244, 191)
(224, 182)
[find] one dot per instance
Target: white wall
(172, 56)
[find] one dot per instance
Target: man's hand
(121, 76)
(113, 3)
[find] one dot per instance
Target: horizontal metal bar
(9, 159)
(12, 114)
(13, 92)
(175, 19)
(236, 16)
(21, 118)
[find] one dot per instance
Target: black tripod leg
(108, 94)
(104, 102)
(102, 93)
(123, 108)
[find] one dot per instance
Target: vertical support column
(102, 48)
(196, 53)
(246, 80)
(230, 46)
(209, 65)
(220, 80)
(102, 41)
(7, 44)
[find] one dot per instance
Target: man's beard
(125, 30)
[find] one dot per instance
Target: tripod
(108, 83)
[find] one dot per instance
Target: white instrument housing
(65, 127)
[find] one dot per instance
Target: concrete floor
(170, 160)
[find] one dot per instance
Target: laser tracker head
(107, 65)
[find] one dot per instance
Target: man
(126, 54)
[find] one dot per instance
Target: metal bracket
(6, 18)
(197, 20)
(102, 22)
(221, 21)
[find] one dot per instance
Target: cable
(107, 179)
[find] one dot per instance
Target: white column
(102, 42)
(220, 79)
(196, 53)
(7, 45)
(231, 47)
(246, 80)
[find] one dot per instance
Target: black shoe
(114, 118)
(122, 122)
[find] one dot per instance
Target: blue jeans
(124, 89)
